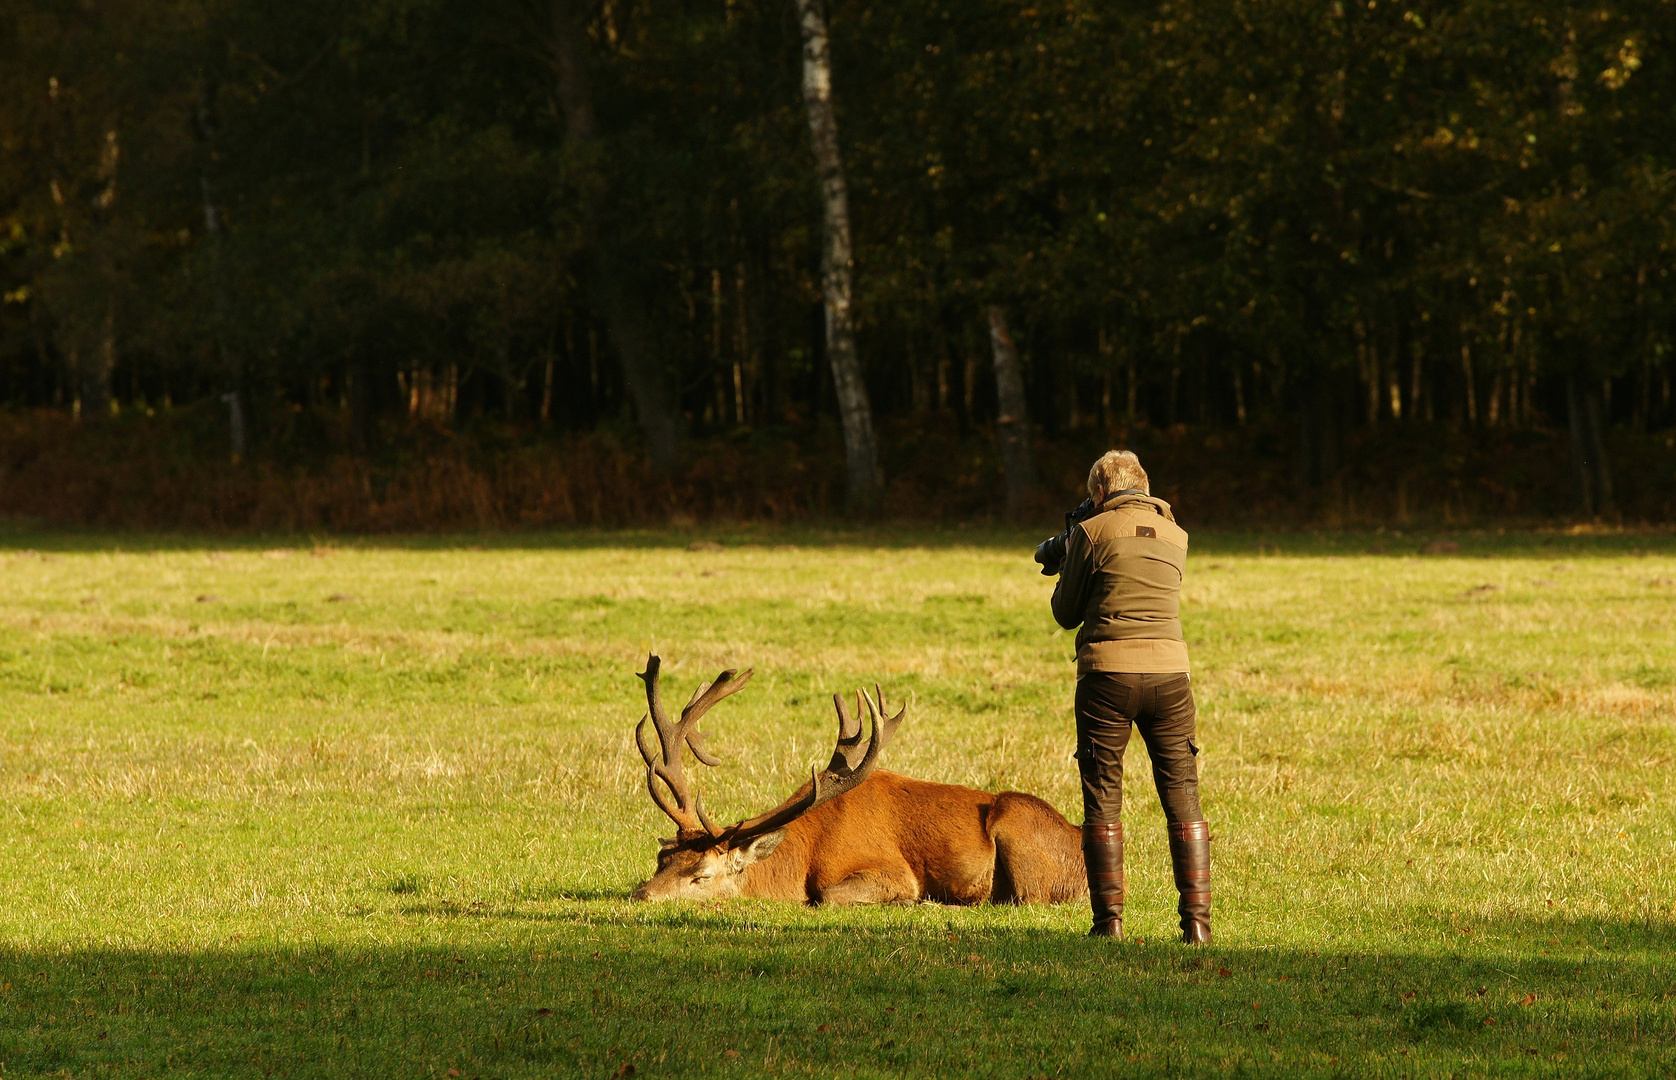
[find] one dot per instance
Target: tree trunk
(234, 371)
(1012, 420)
(1471, 385)
(97, 365)
(861, 451)
(1597, 424)
(208, 129)
(1591, 475)
(625, 313)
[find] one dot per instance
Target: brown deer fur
(883, 838)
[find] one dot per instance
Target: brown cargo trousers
(1108, 704)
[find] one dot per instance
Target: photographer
(1120, 565)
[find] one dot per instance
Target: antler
(843, 773)
(680, 802)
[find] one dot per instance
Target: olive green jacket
(1121, 582)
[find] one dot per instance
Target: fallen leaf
(453, 1072)
(824, 1028)
(1529, 999)
(625, 1069)
(1223, 972)
(209, 598)
(731, 1055)
(973, 959)
(544, 1011)
(1489, 1021)
(339, 598)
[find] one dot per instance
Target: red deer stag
(852, 834)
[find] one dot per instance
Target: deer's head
(701, 861)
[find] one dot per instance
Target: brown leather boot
(1190, 855)
(1102, 853)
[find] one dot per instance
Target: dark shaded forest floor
(173, 472)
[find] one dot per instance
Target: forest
(408, 263)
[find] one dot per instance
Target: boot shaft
(1190, 859)
(1102, 854)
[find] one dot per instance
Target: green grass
(392, 833)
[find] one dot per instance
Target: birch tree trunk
(1013, 415)
(625, 314)
(208, 129)
(861, 451)
(234, 394)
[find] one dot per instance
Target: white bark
(1012, 421)
(861, 450)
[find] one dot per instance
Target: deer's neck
(784, 875)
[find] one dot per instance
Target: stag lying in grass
(852, 834)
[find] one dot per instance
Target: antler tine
(640, 743)
(676, 798)
(848, 729)
(844, 773)
(891, 722)
(707, 695)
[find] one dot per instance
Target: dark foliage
(1392, 257)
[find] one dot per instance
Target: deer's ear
(758, 849)
(667, 842)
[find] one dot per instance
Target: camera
(1051, 552)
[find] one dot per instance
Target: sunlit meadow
(371, 808)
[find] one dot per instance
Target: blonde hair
(1116, 470)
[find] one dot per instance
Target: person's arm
(1076, 579)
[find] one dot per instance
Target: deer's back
(934, 832)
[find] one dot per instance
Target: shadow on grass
(1525, 541)
(758, 991)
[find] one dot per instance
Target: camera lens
(1050, 553)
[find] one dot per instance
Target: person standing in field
(1120, 581)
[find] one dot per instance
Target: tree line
(327, 221)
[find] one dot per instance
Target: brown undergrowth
(171, 471)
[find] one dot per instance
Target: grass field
(371, 810)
